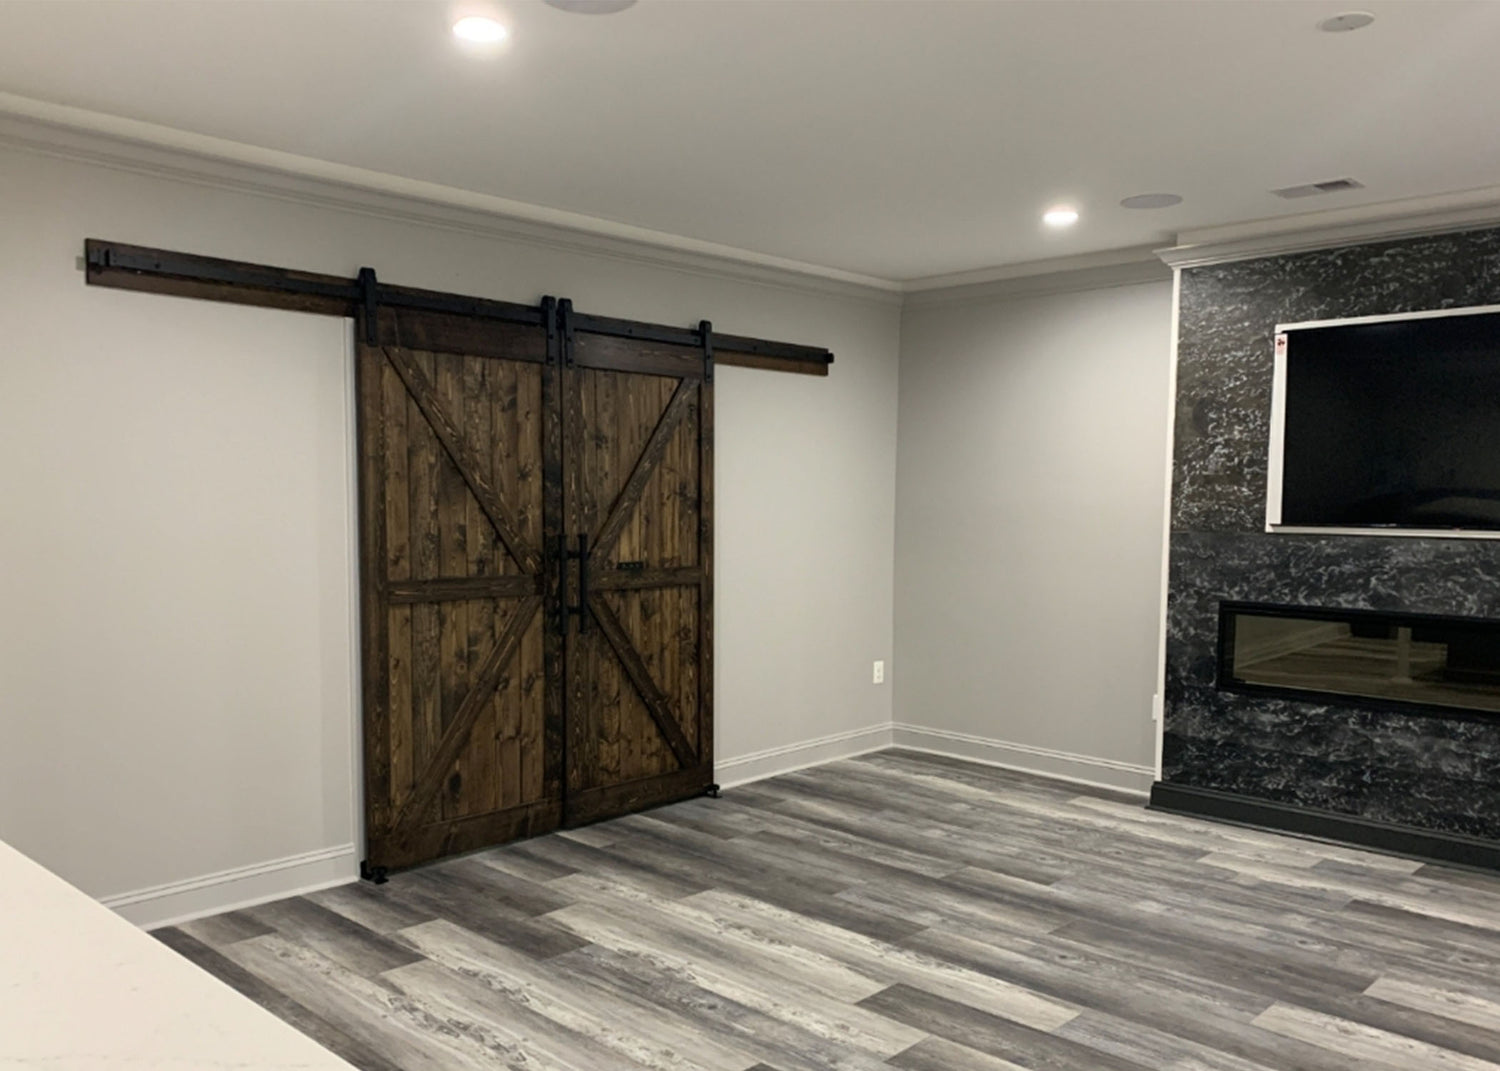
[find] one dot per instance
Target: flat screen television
(1387, 424)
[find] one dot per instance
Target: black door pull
(582, 609)
(563, 609)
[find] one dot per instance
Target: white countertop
(81, 989)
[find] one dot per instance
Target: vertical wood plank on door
(453, 553)
(491, 427)
(423, 466)
(527, 707)
(623, 434)
(576, 390)
(507, 448)
(513, 404)
(603, 483)
(396, 492)
(478, 767)
(554, 685)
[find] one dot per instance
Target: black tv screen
(1391, 424)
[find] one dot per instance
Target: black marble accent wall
(1432, 772)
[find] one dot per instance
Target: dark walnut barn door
(638, 507)
(537, 598)
(459, 454)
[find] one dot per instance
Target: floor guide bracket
(377, 875)
(712, 792)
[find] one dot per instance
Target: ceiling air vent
(1313, 189)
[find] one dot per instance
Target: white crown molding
(1329, 229)
(960, 280)
(164, 152)
(1096, 271)
(147, 148)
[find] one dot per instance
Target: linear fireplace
(1410, 662)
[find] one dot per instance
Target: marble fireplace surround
(1423, 783)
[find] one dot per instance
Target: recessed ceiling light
(1349, 20)
(478, 28)
(1061, 216)
(591, 7)
(1152, 200)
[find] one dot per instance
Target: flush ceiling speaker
(590, 7)
(1152, 200)
(1349, 20)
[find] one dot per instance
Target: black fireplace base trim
(1326, 825)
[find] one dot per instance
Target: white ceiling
(894, 138)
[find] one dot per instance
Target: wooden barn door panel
(536, 516)
(638, 476)
(458, 431)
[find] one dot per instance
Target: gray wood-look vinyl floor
(892, 911)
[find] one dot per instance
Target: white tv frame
(1278, 433)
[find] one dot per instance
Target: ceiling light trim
(480, 30)
(134, 144)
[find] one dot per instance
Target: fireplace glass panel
(1425, 661)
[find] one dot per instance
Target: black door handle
(582, 555)
(561, 545)
(583, 583)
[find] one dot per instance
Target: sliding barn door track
(162, 271)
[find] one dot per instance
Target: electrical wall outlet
(880, 672)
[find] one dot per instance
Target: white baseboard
(276, 879)
(756, 765)
(1027, 758)
(229, 890)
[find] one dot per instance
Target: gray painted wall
(175, 655)
(1031, 477)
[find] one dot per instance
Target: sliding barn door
(459, 439)
(638, 503)
(536, 519)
